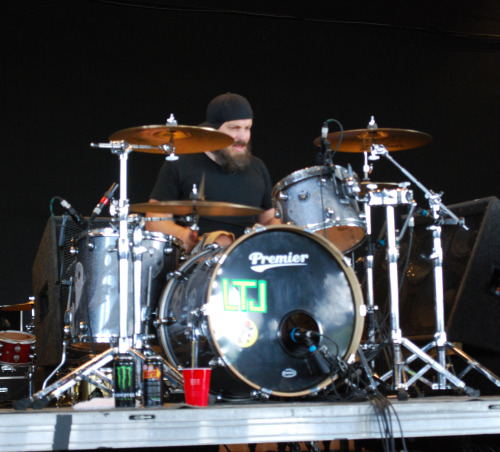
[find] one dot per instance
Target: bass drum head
(266, 286)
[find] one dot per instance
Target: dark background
(75, 72)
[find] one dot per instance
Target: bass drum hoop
(348, 271)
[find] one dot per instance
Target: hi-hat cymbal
(185, 139)
(202, 208)
(18, 307)
(360, 140)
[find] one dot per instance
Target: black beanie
(227, 107)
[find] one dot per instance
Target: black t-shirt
(250, 187)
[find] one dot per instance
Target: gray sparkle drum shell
(322, 199)
(95, 308)
(243, 302)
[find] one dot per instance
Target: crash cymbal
(360, 140)
(185, 139)
(18, 307)
(203, 208)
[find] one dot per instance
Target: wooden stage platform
(98, 425)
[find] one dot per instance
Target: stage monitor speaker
(471, 277)
(51, 266)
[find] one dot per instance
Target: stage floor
(97, 424)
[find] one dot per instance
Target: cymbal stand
(446, 380)
(126, 344)
(370, 308)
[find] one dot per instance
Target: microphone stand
(440, 341)
(126, 344)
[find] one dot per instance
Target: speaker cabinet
(471, 277)
(51, 269)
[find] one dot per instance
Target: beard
(231, 162)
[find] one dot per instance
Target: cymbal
(185, 139)
(18, 307)
(203, 208)
(360, 140)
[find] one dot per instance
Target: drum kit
(280, 312)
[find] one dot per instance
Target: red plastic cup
(196, 385)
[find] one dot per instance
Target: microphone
(77, 218)
(300, 335)
(103, 202)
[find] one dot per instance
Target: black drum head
(271, 285)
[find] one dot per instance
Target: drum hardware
(377, 194)
(172, 138)
(126, 344)
(446, 379)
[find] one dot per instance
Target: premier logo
(261, 262)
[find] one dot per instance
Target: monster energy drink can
(152, 378)
(124, 381)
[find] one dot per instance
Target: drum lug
(321, 182)
(7, 368)
(83, 327)
(73, 251)
(167, 321)
(283, 196)
(259, 228)
(216, 362)
(329, 212)
(211, 262)
(178, 275)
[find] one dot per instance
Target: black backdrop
(75, 72)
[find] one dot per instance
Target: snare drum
(16, 347)
(323, 199)
(244, 304)
(95, 313)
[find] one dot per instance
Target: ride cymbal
(202, 208)
(185, 139)
(361, 140)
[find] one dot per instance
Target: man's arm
(169, 227)
(268, 218)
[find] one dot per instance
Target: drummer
(231, 175)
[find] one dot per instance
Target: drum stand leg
(401, 370)
(440, 342)
(400, 366)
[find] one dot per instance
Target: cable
(494, 38)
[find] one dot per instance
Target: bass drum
(245, 304)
